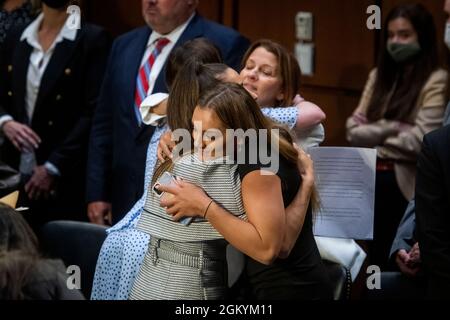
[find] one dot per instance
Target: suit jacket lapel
(58, 63)
(20, 64)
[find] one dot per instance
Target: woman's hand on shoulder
(165, 147)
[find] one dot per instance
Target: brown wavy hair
(288, 69)
(191, 82)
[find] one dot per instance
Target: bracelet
(207, 208)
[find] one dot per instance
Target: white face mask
(447, 34)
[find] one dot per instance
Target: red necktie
(142, 81)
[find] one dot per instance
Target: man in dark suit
(118, 140)
(433, 211)
(406, 254)
(51, 76)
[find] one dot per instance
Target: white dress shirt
(162, 57)
(38, 62)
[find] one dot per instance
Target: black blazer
(118, 145)
(433, 211)
(63, 111)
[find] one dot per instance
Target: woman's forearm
(244, 236)
(260, 237)
(295, 217)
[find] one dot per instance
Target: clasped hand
(184, 199)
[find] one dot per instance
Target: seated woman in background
(404, 99)
(24, 274)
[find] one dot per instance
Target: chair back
(75, 243)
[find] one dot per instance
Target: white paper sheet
(345, 179)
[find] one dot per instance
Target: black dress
(302, 275)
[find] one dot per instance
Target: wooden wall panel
(117, 16)
(344, 45)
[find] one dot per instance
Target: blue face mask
(402, 52)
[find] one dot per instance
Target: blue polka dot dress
(285, 116)
(125, 247)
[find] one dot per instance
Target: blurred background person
(52, 78)
(404, 99)
(25, 275)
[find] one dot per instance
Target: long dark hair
(419, 69)
(191, 82)
(18, 253)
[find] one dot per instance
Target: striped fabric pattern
(161, 279)
(168, 278)
(220, 181)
